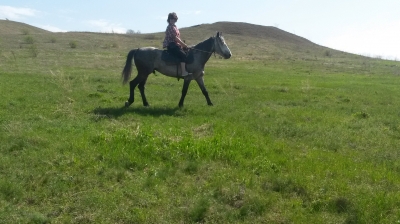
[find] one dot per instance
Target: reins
(210, 52)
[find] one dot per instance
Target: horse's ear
(218, 34)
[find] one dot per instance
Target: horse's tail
(126, 73)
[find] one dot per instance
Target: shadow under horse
(150, 59)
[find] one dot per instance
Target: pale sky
(367, 27)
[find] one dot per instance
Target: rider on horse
(173, 42)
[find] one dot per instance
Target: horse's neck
(206, 46)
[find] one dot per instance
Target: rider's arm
(180, 42)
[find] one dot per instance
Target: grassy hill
(12, 27)
(299, 133)
(248, 42)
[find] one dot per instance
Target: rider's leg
(183, 69)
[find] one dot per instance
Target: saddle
(170, 59)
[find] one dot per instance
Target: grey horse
(149, 59)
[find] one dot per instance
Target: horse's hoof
(127, 104)
(210, 104)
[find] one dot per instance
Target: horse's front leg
(200, 82)
(184, 91)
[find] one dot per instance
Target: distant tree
(132, 32)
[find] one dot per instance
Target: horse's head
(220, 46)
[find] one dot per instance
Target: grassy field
(298, 134)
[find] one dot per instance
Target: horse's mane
(206, 45)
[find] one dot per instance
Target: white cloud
(16, 13)
(107, 27)
(52, 28)
(378, 40)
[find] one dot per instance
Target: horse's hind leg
(200, 82)
(132, 86)
(142, 88)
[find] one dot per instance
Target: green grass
(289, 140)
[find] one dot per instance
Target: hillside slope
(257, 31)
(249, 41)
(246, 41)
(11, 27)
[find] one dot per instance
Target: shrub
(328, 53)
(29, 40)
(73, 44)
(53, 40)
(34, 50)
